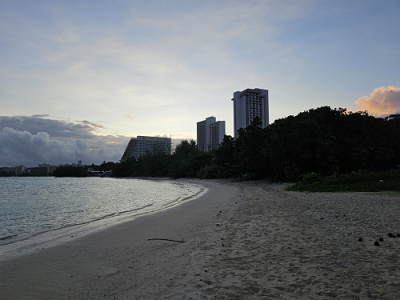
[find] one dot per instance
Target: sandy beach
(248, 240)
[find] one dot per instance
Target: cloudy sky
(79, 78)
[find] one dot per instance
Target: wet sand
(248, 240)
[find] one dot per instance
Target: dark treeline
(82, 171)
(321, 140)
(70, 171)
(5, 174)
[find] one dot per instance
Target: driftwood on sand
(158, 239)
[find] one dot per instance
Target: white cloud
(382, 101)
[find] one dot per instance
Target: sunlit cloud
(382, 101)
(129, 117)
(91, 125)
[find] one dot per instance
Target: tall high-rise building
(210, 134)
(247, 105)
(146, 145)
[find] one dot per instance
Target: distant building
(249, 104)
(19, 170)
(51, 169)
(37, 171)
(79, 164)
(43, 165)
(210, 134)
(146, 145)
(46, 168)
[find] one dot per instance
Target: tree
(226, 157)
(249, 146)
(70, 171)
(126, 168)
(187, 160)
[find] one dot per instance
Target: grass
(362, 181)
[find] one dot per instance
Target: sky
(78, 79)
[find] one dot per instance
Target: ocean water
(32, 206)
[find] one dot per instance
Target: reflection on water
(29, 206)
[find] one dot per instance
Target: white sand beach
(249, 240)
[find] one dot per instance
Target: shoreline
(53, 237)
(242, 240)
(120, 256)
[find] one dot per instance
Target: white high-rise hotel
(249, 104)
(210, 134)
(146, 145)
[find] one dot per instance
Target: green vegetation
(324, 140)
(187, 161)
(5, 174)
(83, 171)
(362, 181)
(70, 171)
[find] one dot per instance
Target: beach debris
(391, 235)
(381, 239)
(218, 224)
(169, 240)
(360, 239)
(377, 243)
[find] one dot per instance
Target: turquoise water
(30, 206)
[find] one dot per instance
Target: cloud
(55, 128)
(129, 117)
(382, 101)
(83, 146)
(30, 140)
(91, 125)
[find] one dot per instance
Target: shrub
(311, 178)
(208, 172)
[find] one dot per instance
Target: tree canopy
(322, 140)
